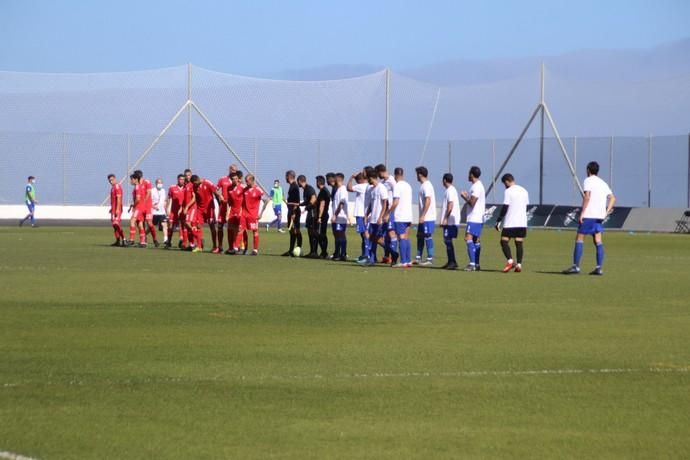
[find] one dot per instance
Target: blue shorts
(339, 227)
(361, 227)
(474, 229)
(375, 230)
(390, 225)
(450, 232)
(31, 207)
(277, 210)
(591, 227)
(427, 228)
(401, 227)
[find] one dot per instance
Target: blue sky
(266, 37)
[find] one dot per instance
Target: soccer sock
(386, 245)
(199, 237)
(430, 248)
(372, 251)
(367, 247)
(292, 241)
(394, 249)
(279, 220)
(219, 236)
(577, 253)
(154, 234)
(132, 233)
(477, 251)
(405, 251)
(33, 219)
(184, 235)
(299, 239)
(471, 251)
(420, 247)
(505, 245)
(116, 232)
(364, 243)
(518, 250)
(142, 235)
(450, 250)
(600, 254)
(245, 239)
(256, 240)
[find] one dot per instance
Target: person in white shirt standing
(340, 219)
(597, 203)
(476, 200)
(514, 218)
(450, 219)
(402, 218)
(389, 237)
(159, 198)
(378, 207)
(427, 217)
(362, 196)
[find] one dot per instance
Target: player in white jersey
(597, 203)
(513, 218)
(476, 200)
(401, 210)
(378, 208)
(339, 218)
(450, 219)
(360, 189)
(427, 217)
(389, 182)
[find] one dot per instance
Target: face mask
(159, 186)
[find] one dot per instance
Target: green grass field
(129, 353)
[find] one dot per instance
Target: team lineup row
(382, 212)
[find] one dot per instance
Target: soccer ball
(297, 251)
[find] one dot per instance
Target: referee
(323, 201)
(309, 203)
(293, 212)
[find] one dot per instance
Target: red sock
(238, 240)
(184, 235)
(116, 231)
(219, 235)
(245, 239)
(152, 229)
(256, 241)
(132, 233)
(199, 235)
(142, 236)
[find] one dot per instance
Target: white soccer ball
(297, 251)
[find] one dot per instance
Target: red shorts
(115, 219)
(208, 215)
(235, 221)
(251, 224)
(137, 215)
(174, 218)
(191, 218)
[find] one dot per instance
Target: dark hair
(448, 177)
(139, 173)
(507, 178)
(329, 175)
(133, 176)
(371, 172)
(194, 178)
(380, 168)
(320, 180)
(398, 171)
(109, 176)
(30, 178)
(340, 175)
(475, 171)
(240, 174)
(180, 175)
(290, 173)
(422, 171)
(359, 177)
(233, 175)
(302, 178)
(187, 170)
(593, 167)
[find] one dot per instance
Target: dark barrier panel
(568, 217)
(536, 214)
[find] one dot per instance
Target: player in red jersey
(253, 196)
(148, 205)
(136, 221)
(223, 188)
(188, 218)
(205, 191)
(116, 210)
(234, 214)
(175, 198)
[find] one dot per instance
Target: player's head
(111, 178)
(240, 175)
(232, 168)
(320, 181)
(187, 174)
(31, 179)
(381, 171)
(507, 179)
(301, 180)
(139, 173)
(234, 179)
(289, 176)
(474, 173)
(339, 178)
(133, 179)
(159, 183)
(422, 173)
(447, 180)
(180, 179)
(330, 179)
(398, 174)
(276, 183)
(592, 168)
(250, 180)
(196, 180)
(372, 175)
(364, 170)
(360, 178)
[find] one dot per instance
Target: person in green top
(277, 199)
(30, 200)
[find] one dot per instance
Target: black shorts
(295, 215)
(514, 232)
(159, 219)
(310, 220)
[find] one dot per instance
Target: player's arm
(427, 204)
(469, 199)
(585, 203)
(118, 203)
(322, 208)
(337, 210)
(265, 202)
(349, 183)
(501, 215)
(396, 201)
(384, 210)
(612, 202)
(449, 210)
(189, 205)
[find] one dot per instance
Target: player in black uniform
(309, 203)
(293, 214)
(323, 200)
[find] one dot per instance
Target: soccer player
(427, 217)
(294, 213)
(323, 201)
(597, 203)
(159, 199)
(450, 219)
(253, 195)
(401, 210)
(30, 200)
(175, 200)
(378, 207)
(339, 218)
(277, 199)
(136, 221)
(234, 214)
(116, 210)
(476, 200)
(187, 175)
(389, 228)
(188, 216)
(514, 218)
(147, 206)
(309, 204)
(204, 192)
(361, 191)
(222, 192)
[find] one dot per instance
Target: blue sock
(420, 247)
(367, 247)
(429, 248)
(394, 249)
(477, 251)
(386, 245)
(450, 250)
(404, 248)
(577, 253)
(343, 246)
(364, 244)
(471, 251)
(33, 221)
(600, 254)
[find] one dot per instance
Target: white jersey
(476, 214)
(390, 186)
(403, 211)
(159, 198)
(339, 197)
(599, 192)
(361, 196)
(426, 190)
(451, 196)
(517, 199)
(378, 194)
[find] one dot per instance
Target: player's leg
(519, 253)
(477, 250)
(133, 225)
(164, 229)
(151, 228)
(393, 248)
(578, 250)
(323, 238)
(428, 233)
(420, 243)
(505, 246)
(405, 245)
(471, 249)
(599, 245)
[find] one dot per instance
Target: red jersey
(252, 200)
(204, 194)
(224, 184)
(115, 192)
(148, 202)
(188, 195)
(236, 200)
(175, 195)
(138, 195)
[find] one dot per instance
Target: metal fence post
(256, 153)
(649, 172)
(493, 170)
(64, 169)
(450, 161)
(611, 162)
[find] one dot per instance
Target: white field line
(372, 375)
(13, 456)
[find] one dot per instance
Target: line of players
(191, 204)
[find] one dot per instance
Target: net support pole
(541, 142)
(64, 168)
(189, 116)
(575, 153)
(388, 117)
(450, 158)
(649, 171)
(563, 150)
(431, 126)
(493, 169)
(611, 162)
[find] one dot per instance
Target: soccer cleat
(451, 266)
(21, 223)
(156, 243)
(255, 252)
(341, 259)
(477, 268)
(572, 270)
(280, 230)
(229, 252)
(180, 245)
(426, 263)
(244, 251)
(470, 268)
(363, 262)
(115, 244)
(324, 255)
(386, 260)
(596, 272)
(416, 261)
(509, 266)
(408, 265)
(216, 251)
(167, 245)
(286, 254)
(142, 245)
(197, 250)
(398, 265)
(518, 268)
